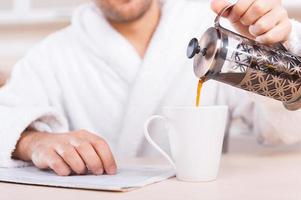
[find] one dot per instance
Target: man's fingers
(57, 164)
(39, 159)
(90, 157)
(260, 19)
(104, 152)
(276, 34)
(102, 149)
(258, 9)
(268, 21)
(74, 151)
(239, 9)
(72, 158)
(218, 5)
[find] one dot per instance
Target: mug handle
(151, 141)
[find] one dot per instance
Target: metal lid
(213, 55)
(212, 47)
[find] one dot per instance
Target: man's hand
(66, 153)
(263, 20)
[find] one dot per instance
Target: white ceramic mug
(196, 139)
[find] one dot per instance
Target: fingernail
(112, 170)
(244, 23)
(259, 39)
(253, 30)
(99, 172)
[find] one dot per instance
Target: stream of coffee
(198, 96)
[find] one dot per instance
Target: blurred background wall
(24, 22)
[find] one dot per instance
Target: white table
(247, 176)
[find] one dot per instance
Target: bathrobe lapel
(111, 47)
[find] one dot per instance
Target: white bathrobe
(88, 76)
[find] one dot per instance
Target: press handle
(217, 23)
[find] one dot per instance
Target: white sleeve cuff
(294, 42)
(17, 120)
(276, 126)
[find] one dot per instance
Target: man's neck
(140, 32)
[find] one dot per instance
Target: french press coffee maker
(228, 57)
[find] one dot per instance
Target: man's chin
(125, 10)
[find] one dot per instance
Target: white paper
(127, 178)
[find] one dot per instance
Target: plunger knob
(193, 48)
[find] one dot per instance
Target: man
(89, 88)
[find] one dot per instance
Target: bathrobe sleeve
(294, 42)
(27, 100)
(267, 118)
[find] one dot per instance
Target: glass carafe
(228, 57)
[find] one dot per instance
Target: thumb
(218, 5)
